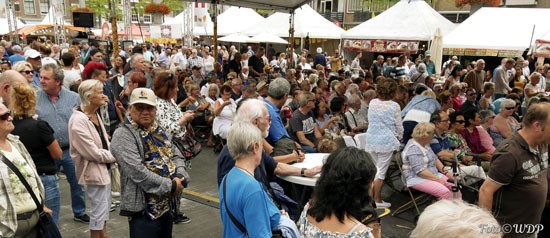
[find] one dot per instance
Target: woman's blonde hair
(87, 88)
(20, 66)
(23, 100)
(423, 129)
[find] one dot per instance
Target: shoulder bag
(46, 226)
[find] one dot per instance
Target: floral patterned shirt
(158, 159)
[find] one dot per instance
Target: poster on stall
(201, 14)
(385, 46)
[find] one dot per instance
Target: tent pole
(291, 37)
(215, 41)
(532, 35)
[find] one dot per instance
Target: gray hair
(507, 103)
(353, 99)
(278, 88)
(423, 129)
(249, 110)
(87, 88)
(57, 72)
(214, 86)
(369, 94)
(241, 138)
(422, 68)
(133, 60)
(485, 114)
(319, 50)
(304, 98)
(313, 78)
(465, 218)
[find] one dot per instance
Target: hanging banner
(201, 14)
(386, 46)
(104, 30)
(482, 52)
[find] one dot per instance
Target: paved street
(203, 212)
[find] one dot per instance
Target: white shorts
(382, 161)
(100, 196)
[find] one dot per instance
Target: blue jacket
(422, 103)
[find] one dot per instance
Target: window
(147, 19)
(326, 5)
(135, 18)
(16, 7)
(29, 7)
(44, 6)
(355, 5)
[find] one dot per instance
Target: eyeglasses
(447, 120)
(471, 94)
(510, 108)
(142, 107)
(26, 71)
(5, 116)
(460, 121)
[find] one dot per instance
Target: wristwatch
(302, 172)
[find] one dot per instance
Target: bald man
(6, 80)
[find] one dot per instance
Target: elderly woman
(339, 196)
(384, 133)
(38, 138)
(197, 103)
(19, 213)
(213, 93)
(152, 171)
(25, 69)
(422, 170)
(504, 124)
(486, 100)
(224, 109)
(455, 96)
(531, 89)
(89, 142)
(467, 221)
(243, 200)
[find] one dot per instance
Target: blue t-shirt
(438, 144)
(263, 172)
(16, 58)
(277, 128)
(249, 204)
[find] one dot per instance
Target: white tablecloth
(311, 160)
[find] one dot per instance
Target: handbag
(46, 226)
(188, 145)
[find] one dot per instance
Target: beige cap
(143, 95)
(261, 84)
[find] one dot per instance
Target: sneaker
(383, 204)
(181, 218)
(115, 194)
(84, 218)
(113, 207)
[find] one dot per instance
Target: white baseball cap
(143, 95)
(31, 53)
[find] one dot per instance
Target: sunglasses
(5, 116)
(26, 71)
(510, 108)
(460, 121)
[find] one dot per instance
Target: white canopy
(236, 37)
(495, 29)
(306, 20)
(406, 20)
(278, 5)
(4, 27)
(49, 19)
(267, 38)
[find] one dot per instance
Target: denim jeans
(51, 188)
(77, 191)
(141, 226)
(308, 149)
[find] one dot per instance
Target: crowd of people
(128, 117)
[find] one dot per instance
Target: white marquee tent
(496, 29)
(49, 19)
(306, 21)
(4, 27)
(233, 20)
(276, 5)
(406, 20)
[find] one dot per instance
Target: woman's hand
(47, 210)
(187, 116)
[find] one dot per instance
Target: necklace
(248, 172)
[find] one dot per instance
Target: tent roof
(49, 19)
(4, 26)
(306, 21)
(406, 20)
(491, 28)
(278, 5)
(233, 20)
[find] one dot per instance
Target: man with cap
(196, 74)
(16, 57)
(152, 176)
(54, 104)
(262, 87)
(33, 57)
(430, 66)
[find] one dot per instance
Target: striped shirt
(57, 114)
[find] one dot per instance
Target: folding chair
(415, 201)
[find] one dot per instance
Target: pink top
(486, 140)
